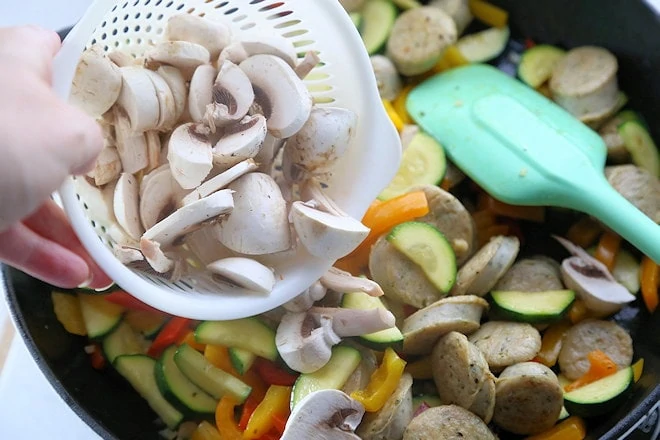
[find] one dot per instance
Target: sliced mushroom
(308, 63)
(96, 84)
(245, 272)
(234, 53)
(258, 224)
(284, 100)
(304, 346)
(320, 143)
(241, 141)
(127, 255)
(232, 96)
(326, 235)
(423, 328)
(204, 247)
(139, 99)
(183, 55)
(307, 298)
(107, 167)
(268, 43)
(167, 108)
(190, 217)
(160, 195)
(121, 58)
(153, 150)
(125, 205)
(340, 281)
(177, 84)
(354, 322)
(324, 415)
(214, 35)
(592, 281)
(268, 152)
(220, 181)
(189, 154)
(131, 146)
(392, 419)
(155, 256)
(486, 267)
(200, 94)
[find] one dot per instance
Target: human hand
(42, 141)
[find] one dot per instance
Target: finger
(50, 222)
(50, 262)
(33, 45)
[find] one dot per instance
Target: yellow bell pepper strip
(578, 312)
(189, 338)
(382, 383)
(551, 343)
(573, 428)
(225, 419)
(68, 313)
(600, 366)
(206, 431)
(454, 57)
(394, 116)
(649, 277)
(584, 232)
(607, 249)
(276, 401)
(399, 104)
(380, 218)
(420, 369)
(441, 66)
(218, 356)
(638, 368)
(488, 13)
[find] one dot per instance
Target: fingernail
(88, 281)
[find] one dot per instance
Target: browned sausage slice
(506, 343)
(447, 422)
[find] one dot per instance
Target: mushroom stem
(308, 63)
(307, 298)
(355, 322)
(341, 281)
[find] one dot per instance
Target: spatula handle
(611, 208)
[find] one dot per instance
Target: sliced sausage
(359, 379)
(400, 278)
(447, 422)
(391, 420)
(387, 77)
(459, 369)
(457, 313)
(458, 10)
(484, 402)
(506, 343)
(528, 398)
(590, 335)
(616, 148)
(531, 275)
(418, 39)
(451, 218)
(486, 267)
(638, 186)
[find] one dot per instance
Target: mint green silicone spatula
(524, 149)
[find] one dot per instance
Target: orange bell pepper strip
(170, 334)
(128, 301)
(638, 369)
(607, 249)
(573, 428)
(206, 431)
(276, 401)
(649, 277)
(600, 366)
(531, 213)
(225, 420)
(382, 383)
(488, 13)
(380, 218)
(578, 312)
(551, 343)
(218, 355)
(189, 338)
(584, 232)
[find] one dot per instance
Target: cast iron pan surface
(631, 29)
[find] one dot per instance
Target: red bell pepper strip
(96, 357)
(272, 374)
(279, 422)
(128, 301)
(248, 409)
(172, 332)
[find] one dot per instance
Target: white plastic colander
(344, 78)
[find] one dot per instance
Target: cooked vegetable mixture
(458, 316)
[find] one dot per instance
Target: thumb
(32, 46)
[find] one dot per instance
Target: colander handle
(66, 60)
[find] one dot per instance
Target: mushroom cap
(189, 154)
(220, 181)
(241, 141)
(200, 93)
(268, 43)
(159, 196)
(184, 55)
(284, 99)
(131, 146)
(232, 95)
(214, 35)
(96, 84)
(177, 83)
(245, 272)
(258, 223)
(125, 205)
(139, 99)
(167, 108)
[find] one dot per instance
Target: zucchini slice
(249, 334)
(601, 396)
(138, 370)
(121, 341)
(537, 63)
(481, 47)
(241, 359)
(643, 151)
(101, 317)
(146, 323)
(333, 375)
(179, 390)
(379, 341)
(533, 307)
(211, 379)
(425, 245)
(377, 20)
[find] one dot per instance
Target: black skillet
(630, 28)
